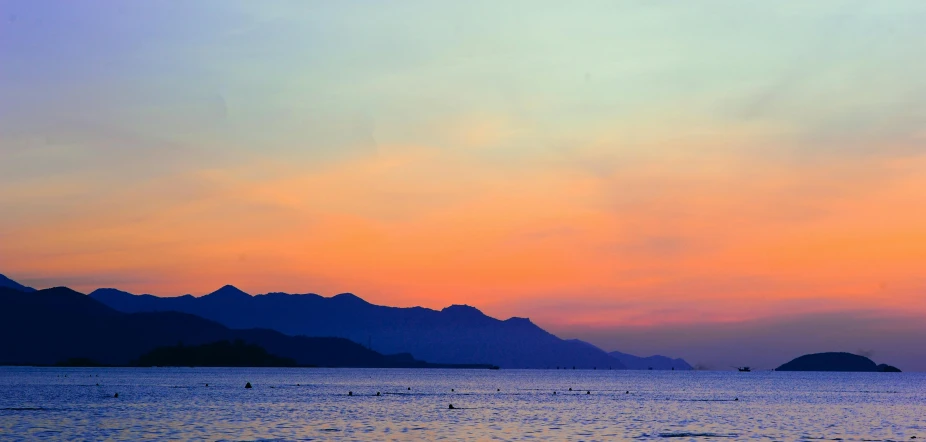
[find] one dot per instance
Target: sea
(302, 404)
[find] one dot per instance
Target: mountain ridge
(48, 326)
(9, 283)
(455, 334)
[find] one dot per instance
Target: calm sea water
(313, 404)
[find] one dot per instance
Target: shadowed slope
(9, 283)
(216, 354)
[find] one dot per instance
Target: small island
(835, 361)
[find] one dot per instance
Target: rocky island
(835, 361)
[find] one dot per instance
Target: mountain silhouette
(834, 361)
(9, 283)
(458, 334)
(655, 362)
(48, 326)
(228, 293)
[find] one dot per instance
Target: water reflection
(300, 404)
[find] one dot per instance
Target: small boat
(746, 369)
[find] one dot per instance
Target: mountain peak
(107, 291)
(229, 292)
(348, 297)
(519, 320)
(463, 309)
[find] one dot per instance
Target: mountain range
(45, 327)
(458, 334)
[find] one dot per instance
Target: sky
(734, 182)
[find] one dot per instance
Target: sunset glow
(658, 165)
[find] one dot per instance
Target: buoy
(498, 389)
(409, 388)
(736, 399)
(627, 392)
(570, 388)
(451, 389)
(451, 407)
(248, 385)
(588, 392)
(377, 393)
(350, 393)
(554, 392)
(116, 395)
(207, 385)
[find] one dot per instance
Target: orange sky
(702, 229)
(641, 166)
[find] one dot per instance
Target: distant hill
(835, 362)
(656, 362)
(458, 334)
(59, 324)
(9, 283)
(637, 363)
